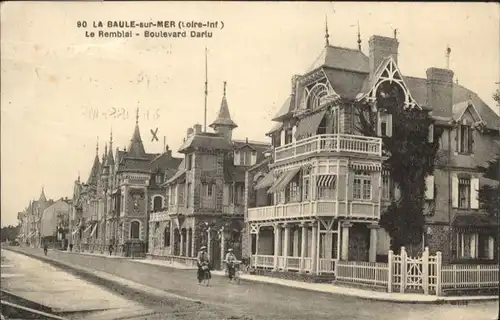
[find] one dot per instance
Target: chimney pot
(440, 91)
(197, 128)
(381, 48)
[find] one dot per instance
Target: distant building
(205, 196)
(32, 220)
(54, 223)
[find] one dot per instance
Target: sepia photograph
(235, 160)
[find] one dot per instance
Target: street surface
(261, 301)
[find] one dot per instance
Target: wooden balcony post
(277, 245)
(314, 247)
(345, 240)
(286, 245)
(182, 244)
(303, 247)
(373, 242)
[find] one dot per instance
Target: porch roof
(475, 220)
(283, 181)
(308, 126)
(266, 181)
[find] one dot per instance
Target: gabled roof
(181, 169)
(205, 140)
(418, 89)
(286, 109)
(342, 59)
(276, 127)
(165, 161)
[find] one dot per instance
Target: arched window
(157, 203)
(166, 236)
(134, 229)
(315, 94)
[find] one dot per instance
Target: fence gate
(412, 274)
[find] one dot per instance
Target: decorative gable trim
(326, 90)
(389, 71)
(470, 105)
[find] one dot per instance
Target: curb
(91, 273)
(103, 279)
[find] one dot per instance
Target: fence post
(390, 271)
(425, 270)
(403, 270)
(438, 273)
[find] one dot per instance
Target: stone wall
(439, 238)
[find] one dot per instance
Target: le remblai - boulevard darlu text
(123, 29)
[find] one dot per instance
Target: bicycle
(206, 275)
(237, 265)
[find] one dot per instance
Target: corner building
(318, 198)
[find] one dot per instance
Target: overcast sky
(52, 76)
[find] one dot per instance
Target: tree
(489, 195)
(410, 158)
(9, 233)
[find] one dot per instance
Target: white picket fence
(424, 274)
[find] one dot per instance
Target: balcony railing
(329, 142)
(319, 208)
(232, 209)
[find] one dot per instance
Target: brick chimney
(197, 128)
(440, 91)
(381, 48)
(168, 151)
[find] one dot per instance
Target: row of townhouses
(314, 194)
(45, 221)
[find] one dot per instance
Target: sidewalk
(327, 288)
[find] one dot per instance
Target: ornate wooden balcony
(329, 143)
(313, 209)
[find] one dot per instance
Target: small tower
(223, 124)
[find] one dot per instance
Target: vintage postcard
(250, 160)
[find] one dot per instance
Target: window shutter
(474, 193)
(379, 123)
(491, 248)
(430, 136)
(389, 125)
(473, 246)
(454, 191)
(429, 184)
(253, 158)
(237, 158)
(282, 135)
(457, 138)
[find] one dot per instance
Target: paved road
(265, 301)
(61, 292)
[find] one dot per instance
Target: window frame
(363, 179)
